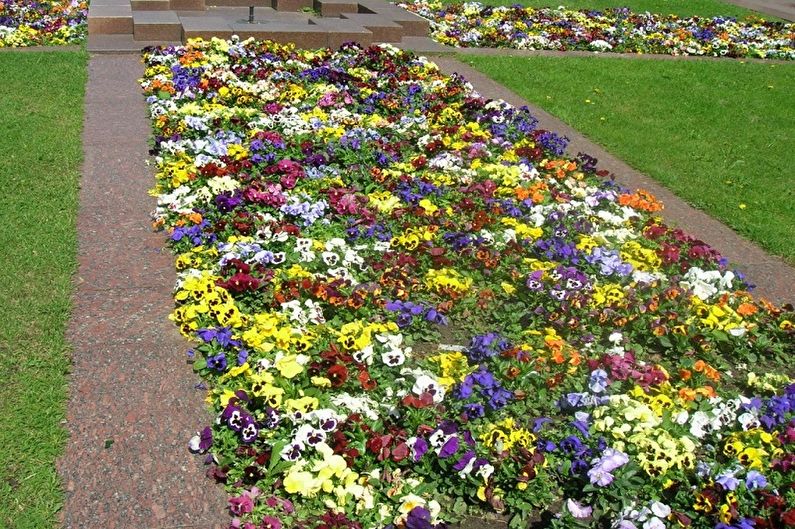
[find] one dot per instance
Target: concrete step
(110, 19)
(150, 5)
(156, 25)
(384, 30)
(334, 8)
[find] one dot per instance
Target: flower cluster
(42, 22)
(409, 304)
(475, 25)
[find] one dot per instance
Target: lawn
(41, 104)
(719, 134)
(681, 8)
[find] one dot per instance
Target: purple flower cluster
(609, 262)
(775, 411)
(241, 422)
(601, 473)
(490, 390)
(564, 282)
(196, 234)
(407, 311)
(485, 346)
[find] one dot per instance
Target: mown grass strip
(41, 104)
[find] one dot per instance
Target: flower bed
(474, 25)
(42, 23)
(410, 305)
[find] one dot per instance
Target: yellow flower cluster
(356, 335)
(504, 435)
(175, 173)
(330, 475)
(716, 316)
(752, 448)
(384, 201)
(203, 297)
(412, 237)
(641, 258)
(523, 231)
(453, 367)
(194, 258)
(447, 280)
(267, 332)
(634, 422)
(607, 294)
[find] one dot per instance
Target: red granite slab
(133, 400)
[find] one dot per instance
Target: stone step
(384, 30)
(188, 5)
(205, 27)
(292, 5)
(156, 25)
(150, 5)
(341, 31)
(413, 25)
(238, 3)
(334, 8)
(303, 36)
(110, 19)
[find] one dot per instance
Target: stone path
(133, 405)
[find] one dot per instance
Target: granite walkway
(133, 405)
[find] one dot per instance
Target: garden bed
(410, 306)
(476, 25)
(42, 22)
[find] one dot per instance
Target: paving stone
(424, 45)
(119, 44)
(110, 19)
(132, 400)
(779, 8)
(156, 25)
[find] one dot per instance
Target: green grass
(41, 118)
(718, 133)
(682, 8)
